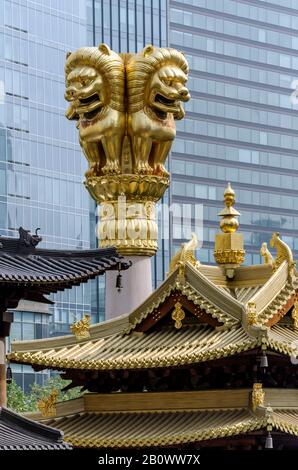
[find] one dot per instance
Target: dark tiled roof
(21, 263)
(20, 433)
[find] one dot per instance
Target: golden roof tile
(157, 429)
(161, 348)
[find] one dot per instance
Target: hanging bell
(8, 375)
(264, 361)
(119, 282)
(269, 441)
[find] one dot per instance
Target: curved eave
(161, 348)
(158, 429)
(139, 351)
(52, 270)
(20, 433)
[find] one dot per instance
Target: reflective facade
(41, 164)
(241, 125)
(127, 26)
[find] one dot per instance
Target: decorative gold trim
(47, 406)
(81, 328)
(266, 255)
(229, 256)
(257, 396)
(185, 253)
(252, 316)
(178, 315)
(283, 253)
(295, 315)
(127, 211)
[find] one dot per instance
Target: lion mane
(140, 67)
(107, 63)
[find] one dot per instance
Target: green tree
(19, 401)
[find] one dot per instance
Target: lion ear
(148, 50)
(104, 49)
(68, 54)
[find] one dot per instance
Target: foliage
(19, 401)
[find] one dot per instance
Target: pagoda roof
(47, 270)
(162, 348)
(171, 418)
(20, 433)
(224, 317)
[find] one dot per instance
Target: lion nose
(184, 92)
(70, 93)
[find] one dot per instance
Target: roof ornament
(283, 253)
(252, 316)
(47, 406)
(186, 253)
(178, 315)
(81, 328)
(229, 250)
(267, 256)
(28, 240)
(257, 396)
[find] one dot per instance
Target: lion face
(86, 92)
(166, 90)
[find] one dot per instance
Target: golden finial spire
(229, 223)
(229, 250)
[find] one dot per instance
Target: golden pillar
(125, 106)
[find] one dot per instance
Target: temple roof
(20, 433)
(222, 317)
(23, 264)
(163, 419)
(162, 348)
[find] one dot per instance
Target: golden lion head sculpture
(95, 89)
(94, 78)
(156, 80)
(131, 98)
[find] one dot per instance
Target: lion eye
(169, 81)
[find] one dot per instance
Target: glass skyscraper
(240, 124)
(240, 127)
(41, 164)
(127, 26)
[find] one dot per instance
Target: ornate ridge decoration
(252, 316)
(127, 211)
(295, 315)
(47, 406)
(265, 253)
(27, 240)
(178, 315)
(186, 253)
(229, 256)
(81, 328)
(257, 396)
(126, 106)
(283, 253)
(229, 250)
